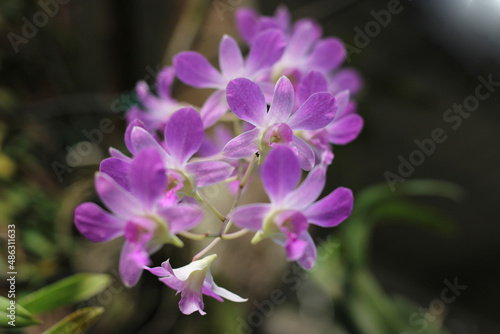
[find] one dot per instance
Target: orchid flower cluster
(276, 111)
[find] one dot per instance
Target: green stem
(226, 222)
(202, 198)
(206, 249)
(234, 235)
(248, 172)
(194, 236)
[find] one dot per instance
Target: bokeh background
(82, 65)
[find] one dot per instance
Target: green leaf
(77, 322)
(35, 242)
(365, 317)
(418, 214)
(329, 271)
(23, 318)
(432, 188)
(70, 290)
(381, 192)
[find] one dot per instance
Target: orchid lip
(161, 233)
(276, 134)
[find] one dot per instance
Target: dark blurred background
(82, 65)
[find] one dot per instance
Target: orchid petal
(167, 276)
(313, 82)
(183, 134)
(193, 69)
(266, 50)
(158, 271)
(305, 153)
(115, 197)
(247, 101)
(128, 133)
(227, 294)
(305, 33)
(266, 23)
(243, 145)
(346, 129)
(282, 104)
(96, 224)
(331, 210)
(250, 216)
(164, 82)
(351, 108)
(141, 139)
(308, 191)
(309, 255)
(144, 95)
(132, 261)
(282, 17)
(267, 89)
(213, 108)
(230, 58)
(342, 98)
(294, 247)
(207, 173)
(317, 112)
(148, 177)
(346, 78)
(191, 301)
(246, 23)
(280, 173)
(183, 273)
(326, 55)
(181, 217)
(117, 154)
(118, 169)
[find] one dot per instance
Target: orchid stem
(202, 198)
(237, 126)
(248, 172)
(193, 236)
(235, 235)
(226, 222)
(231, 179)
(206, 249)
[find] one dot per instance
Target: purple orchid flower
(193, 281)
(212, 146)
(194, 69)
(278, 125)
(184, 134)
(249, 23)
(345, 79)
(140, 214)
(305, 49)
(287, 217)
(156, 110)
(345, 127)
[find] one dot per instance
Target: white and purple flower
(194, 69)
(290, 102)
(278, 125)
(192, 282)
(305, 49)
(183, 136)
(139, 214)
(345, 127)
(155, 111)
(287, 217)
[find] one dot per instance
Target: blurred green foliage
(347, 277)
